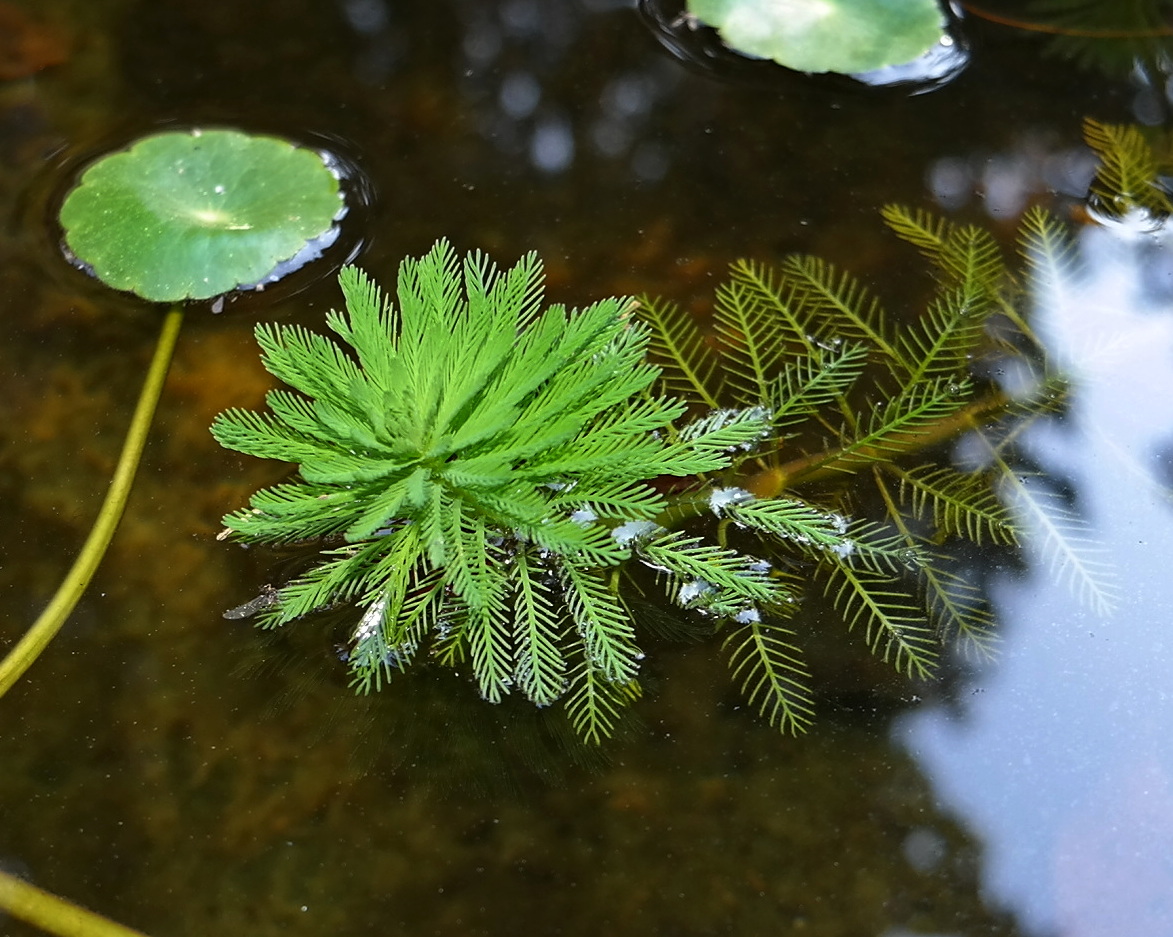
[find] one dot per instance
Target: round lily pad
(195, 214)
(845, 36)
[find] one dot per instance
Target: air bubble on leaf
(371, 620)
(843, 549)
(910, 558)
(627, 534)
(722, 498)
(693, 591)
(719, 419)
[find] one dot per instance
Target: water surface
(186, 775)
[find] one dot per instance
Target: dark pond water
(187, 776)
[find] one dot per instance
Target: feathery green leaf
(961, 505)
(679, 347)
(477, 469)
(1127, 177)
(772, 676)
(836, 304)
(894, 627)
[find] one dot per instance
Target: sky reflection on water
(1061, 755)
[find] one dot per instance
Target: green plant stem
(70, 591)
(55, 915)
(771, 482)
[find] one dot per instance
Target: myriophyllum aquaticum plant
(481, 474)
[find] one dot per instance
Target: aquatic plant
(908, 46)
(486, 464)
(483, 477)
(845, 36)
(179, 216)
(1115, 38)
(1131, 167)
(188, 215)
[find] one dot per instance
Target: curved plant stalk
(29, 648)
(771, 482)
(55, 915)
(1153, 32)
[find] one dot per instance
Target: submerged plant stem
(771, 482)
(1152, 32)
(55, 915)
(29, 648)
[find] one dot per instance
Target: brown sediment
(26, 45)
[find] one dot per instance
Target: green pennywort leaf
(845, 36)
(195, 214)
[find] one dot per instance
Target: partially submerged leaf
(1129, 175)
(194, 214)
(846, 36)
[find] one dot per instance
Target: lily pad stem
(29, 648)
(54, 915)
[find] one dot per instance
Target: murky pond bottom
(185, 774)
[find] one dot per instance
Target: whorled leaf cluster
(482, 472)
(485, 467)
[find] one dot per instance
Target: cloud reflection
(1063, 756)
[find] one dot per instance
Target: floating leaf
(846, 36)
(194, 214)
